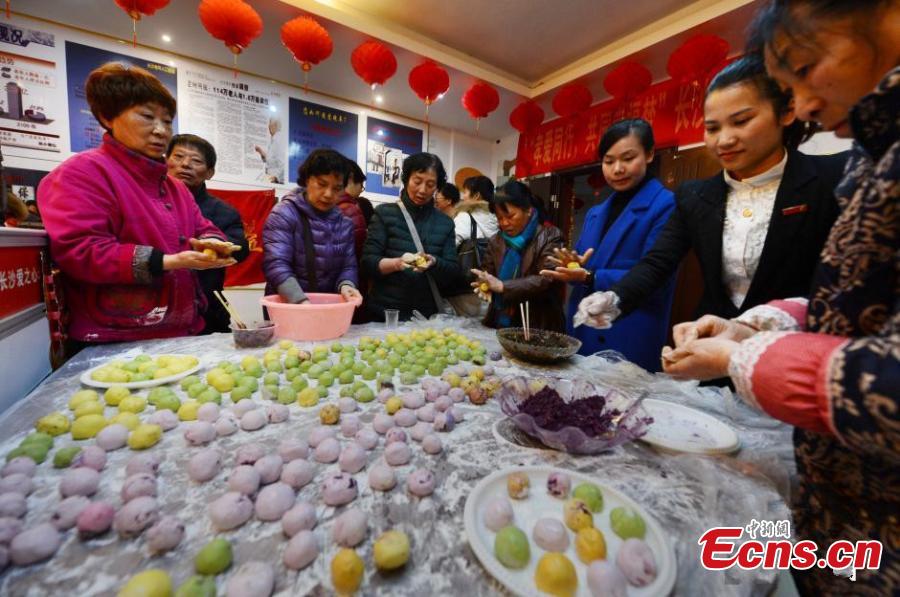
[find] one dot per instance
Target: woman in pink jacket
(124, 233)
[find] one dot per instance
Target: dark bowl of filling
(542, 346)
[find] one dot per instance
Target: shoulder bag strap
(474, 237)
(309, 253)
(435, 294)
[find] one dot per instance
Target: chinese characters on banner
(86, 132)
(675, 111)
(314, 126)
(32, 106)
(20, 279)
(245, 119)
(254, 207)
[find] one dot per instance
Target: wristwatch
(589, 281)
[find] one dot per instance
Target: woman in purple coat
(308, 242)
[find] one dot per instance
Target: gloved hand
(598, 310)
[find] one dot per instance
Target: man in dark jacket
(192, 160)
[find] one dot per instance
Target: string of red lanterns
(237, 24)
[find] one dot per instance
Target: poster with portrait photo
(387, 145)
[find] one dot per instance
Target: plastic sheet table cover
(687, 494)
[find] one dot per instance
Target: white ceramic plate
(680, 428)
(137, 385)
(540, 504)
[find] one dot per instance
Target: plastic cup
(391, 318)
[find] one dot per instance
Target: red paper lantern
(571, 99)
(696, 57)
(429, 80)
(373, 62)
(526, 116)
(627, 80)
(307, 40)
(480, 99)
(138, 8)
(232, 21)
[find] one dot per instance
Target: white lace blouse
(748, 211)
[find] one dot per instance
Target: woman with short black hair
(510, 275)
(399, 282)
(308, 242)
(446, 199)
(616, 234)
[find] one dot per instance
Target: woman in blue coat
(615, 236)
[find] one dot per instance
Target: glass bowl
(621, 417)
(543, 346)
(258, 335)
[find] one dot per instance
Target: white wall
(461, 150)
(503, 151)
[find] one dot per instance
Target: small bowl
(543, 346)
(629, 420)
(259, 334)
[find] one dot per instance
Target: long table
(687, 494)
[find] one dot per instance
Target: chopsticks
(526, 319)
(230, 309)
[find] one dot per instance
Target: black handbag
(470, 252)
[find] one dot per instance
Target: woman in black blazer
(747, 257)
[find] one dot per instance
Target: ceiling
(525, 48)
(528, 39)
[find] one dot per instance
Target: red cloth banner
(254, 207)
(674, 110)
(20, 279)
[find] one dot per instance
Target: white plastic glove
(598, 310)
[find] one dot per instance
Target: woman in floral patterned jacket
(829, 364)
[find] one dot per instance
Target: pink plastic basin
(325, 317)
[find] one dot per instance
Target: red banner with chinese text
(254, 207)
(674, 110)
(20, 279)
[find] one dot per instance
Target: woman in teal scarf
(512, 263)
